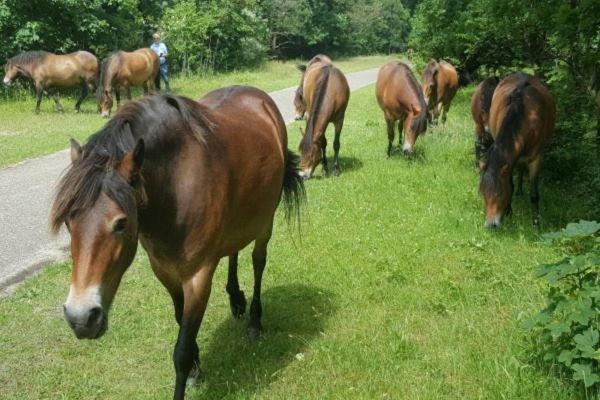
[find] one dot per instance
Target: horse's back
(393, 88)
(538, 114)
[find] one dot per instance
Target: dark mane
(419, 122)
(488, 86)
(29, 57)
(151, 118)
(104, 68)
(319, 96)
(501, 151)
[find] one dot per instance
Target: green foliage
(569, 325)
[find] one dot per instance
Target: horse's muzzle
(7, 82)
(87, 324)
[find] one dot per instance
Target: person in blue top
(161, 51)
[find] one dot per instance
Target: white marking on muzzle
(80, 302)
(407, 147)
(6, 81)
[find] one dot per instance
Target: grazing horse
(299, 103)
(401, 98)
(126, 69)
(521, 122)
(480, 110)
(326, 93)
(48, 70)
(440, 83)
(194, 182)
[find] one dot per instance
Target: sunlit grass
(394, 290)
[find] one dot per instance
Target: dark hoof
(238, 304)
(254, 332)
(77, 111)
(336, 172)
(536, 222)
(195, 377)
(37, 111)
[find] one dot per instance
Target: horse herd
(120, 69)
(196, 181)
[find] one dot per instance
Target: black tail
(293, 192)
(318, 98)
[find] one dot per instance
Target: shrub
(569, 327)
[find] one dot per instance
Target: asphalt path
(26, 191)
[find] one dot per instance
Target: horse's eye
(119, 225)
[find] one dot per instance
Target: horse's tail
(317, 102)
(103, 66)
(293, 192)
(515, 111)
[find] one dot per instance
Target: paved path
(26, 191)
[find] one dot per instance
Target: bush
(569, 327)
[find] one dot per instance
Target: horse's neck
(27, 70)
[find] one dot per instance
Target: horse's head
(299, 105)
(11, 72)
(496, 189)
(97, 200)
(310, 155)
(105, 102)
(429, 84)
(418, 126)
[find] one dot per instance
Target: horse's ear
(75, 150)
(130, 166)
(301, 67)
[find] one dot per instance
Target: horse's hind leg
(446, 107)
(534, 193)
(336, 146)
(84, 93)
(237, 300)
(259, 260)
(391, 134)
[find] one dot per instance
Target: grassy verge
(394, 290)
(25, 135)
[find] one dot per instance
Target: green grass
(394, 290)
(24, 134)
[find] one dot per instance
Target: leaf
(586, 342)
(566, 357)
(583, 372)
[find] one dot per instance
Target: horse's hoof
(238, 305)
(254, 332)
(195, 377)
(336, 172)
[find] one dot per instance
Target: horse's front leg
(128, 92)
(336, 146)
(323, 141)
(196, 292)
(534, 192)
(237, 300)
(118, 95)
(84, 93)
(39, 90)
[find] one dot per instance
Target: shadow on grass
(347, 164)
(293, 316)
(417, 156)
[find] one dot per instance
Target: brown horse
(326, 93)
(48, 70)
(480, 110)
(521, 122)
(401, 98)
(126, 69)
(299, 103)
(194, 182)
(440, 83)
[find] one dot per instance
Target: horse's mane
(29, 57)
(319, 96)
(94, 173)
(104, 69)
(498, 152)
(428, 73)
(419, 122)
(488, 86)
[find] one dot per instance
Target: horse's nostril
(93, 317)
